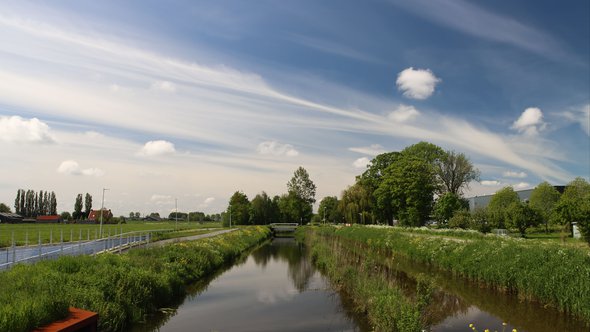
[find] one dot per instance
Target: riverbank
(554, 275)
(121, 288)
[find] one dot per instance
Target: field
(31, 234)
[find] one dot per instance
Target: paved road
(190, 238)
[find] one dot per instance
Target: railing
(31, 254)
(284, 227)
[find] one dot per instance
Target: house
(11, 218)
(50, 219)
(95, 215)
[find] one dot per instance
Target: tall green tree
(87, 204)
(572, 204)
(77, 215)
(371, 179)
(261, 210)
(454, 172)
(355, 204)
(543, 199)
(447, 205)
(303, 189)
(238, 209)
(328, 210)
(409, 186)
(498, 207)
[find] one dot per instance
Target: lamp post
(101, 210)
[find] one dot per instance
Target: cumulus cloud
(580, 116)
(71, 167)
(490, 183)
(521, 185)
(275, 148)
(16, 129)
(361, 162)
(156, 148)
(404, 113)
(164, 86)
(373, 150)
(208, 201)
(417, 83)
(512, 174)
(530, 122)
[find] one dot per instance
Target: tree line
(400, 187)
(295, 206)
(31, 204)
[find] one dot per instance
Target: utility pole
(101, 210)
(176, 213)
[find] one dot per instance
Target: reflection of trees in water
(300, 268)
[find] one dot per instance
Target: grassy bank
(551, 273)
(121, 288)
(387, 306)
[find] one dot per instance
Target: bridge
(283, 227)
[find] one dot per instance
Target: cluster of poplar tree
(295, 206)
(31, 204)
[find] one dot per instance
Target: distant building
(483, 201)
(94, 215)
(151, 218)
(50, 219)
(11, 218)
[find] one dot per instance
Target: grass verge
(121, 288)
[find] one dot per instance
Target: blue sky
(192, 100)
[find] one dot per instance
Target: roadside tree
(543, 199)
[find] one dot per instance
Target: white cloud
(159, 198)
(373, 150)
(19, 130)
(165, 86)
(404, 113)
(71, 167)
(417, 83)
(157, 148)
(530, 122)
(490, 183)
(207, 202)
(581, 116)
(512, 174)
(521, 185)
(276, 149)
(361, 162)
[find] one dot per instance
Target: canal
(274, 288)
(277, 288)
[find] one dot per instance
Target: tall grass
(553, 274)
(121, 288)
(387, 306)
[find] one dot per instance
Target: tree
(52, 204)
(87, 205)
(428, 152)
(498, 207)
(408, 186)
(328, 210)
(262, 210)
(355, 203)
(454, 172)
(446, 206)
(480, 220)
(66, 216)
(4, 208)
(572, 204)
(521, 216)
(78, 208)
(303, 189)
(461, 219)
(17, 203)
(543, 199)
(238, 209)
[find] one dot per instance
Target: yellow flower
(471, 325)
(514, 330)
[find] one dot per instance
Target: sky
(178, 104)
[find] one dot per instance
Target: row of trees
(78, 214)
(545, 207)
(31, 204)
(295, 206)
(401, 186)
